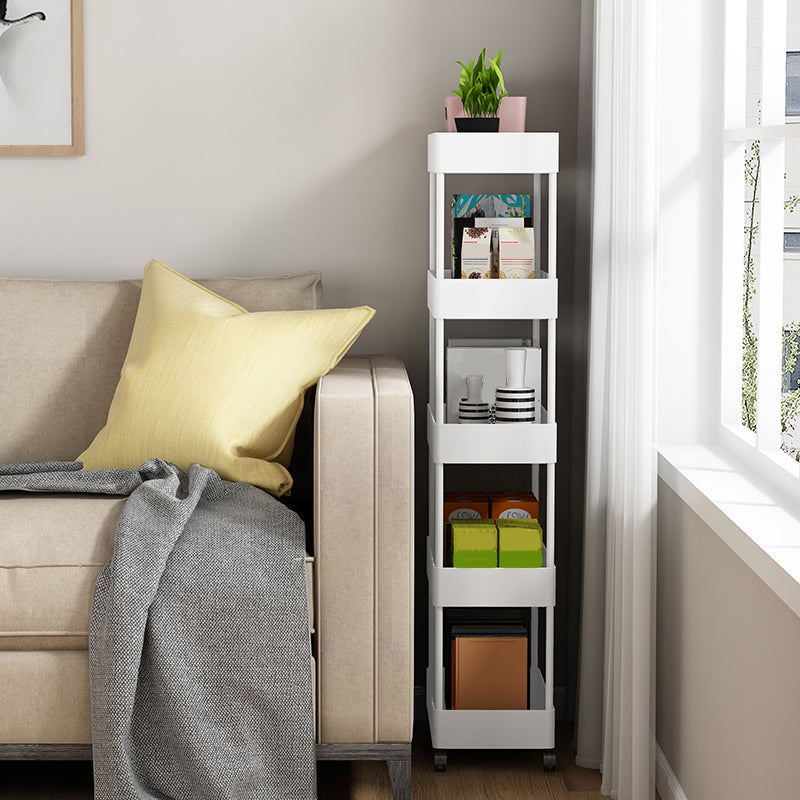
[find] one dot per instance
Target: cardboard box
(490, 672)
(519, 543)
(474, 543)
(476, 253)
(517, 252)
(513, 505)
(465, 505)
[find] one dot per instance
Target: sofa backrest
(62, 345)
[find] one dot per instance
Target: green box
(520, 545)
(474, 543)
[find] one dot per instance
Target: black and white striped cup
(515, 405)
(473, 412)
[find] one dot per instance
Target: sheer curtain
(615, 721)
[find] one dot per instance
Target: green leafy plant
(478, 85)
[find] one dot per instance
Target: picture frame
(41, 78)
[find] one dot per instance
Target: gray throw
(199, 645)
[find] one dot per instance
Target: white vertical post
(438, 409)
(438, 657)
(769, 295)
(432, 222)
(536, 219)
(732, 211)
(733, 195)
(438, 612)
(773, 63)
(552, 198)
(431, 361)
(733, 254)
(438, 519)
(548, 657)
(550, 521)
(438, 469)
(735, 63)
(770, 267)
(551, 370)
(439, 243)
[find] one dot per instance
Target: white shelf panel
(506, 730)
(495, 587)
(532, 298)
(502, 443)
(494, 153)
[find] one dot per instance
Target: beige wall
(728, 650)
(271, 137)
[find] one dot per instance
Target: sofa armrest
(363, 548)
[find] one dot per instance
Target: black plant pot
(478, 124)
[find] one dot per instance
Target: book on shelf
(488, 664)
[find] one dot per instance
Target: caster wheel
(549, 761)
(440, 760)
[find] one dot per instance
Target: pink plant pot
(511, 113)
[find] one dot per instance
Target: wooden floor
(488, 775)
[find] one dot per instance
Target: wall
(268, 137)
(728, 649)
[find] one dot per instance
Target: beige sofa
(62, 344)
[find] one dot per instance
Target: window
(792, 80)
(760, 401)
(791, 243)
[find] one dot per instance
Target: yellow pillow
(205, 381)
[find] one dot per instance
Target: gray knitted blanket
(199, 642)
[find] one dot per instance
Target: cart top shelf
(493, 153)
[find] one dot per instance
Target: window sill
(762, 532)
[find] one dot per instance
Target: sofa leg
(400, 778)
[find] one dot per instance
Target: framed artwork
(41, 78)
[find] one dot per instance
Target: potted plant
(478, 88)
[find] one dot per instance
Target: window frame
(760, 451)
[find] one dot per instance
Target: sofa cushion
(51, 549)
(205, 381)
(62, 347)
(44, 696)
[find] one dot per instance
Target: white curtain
(615, 722)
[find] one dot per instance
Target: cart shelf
(503, 443)
(493, 153)
(533, 728)
(497, 586)
(450, 298)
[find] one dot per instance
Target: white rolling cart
(515, 443)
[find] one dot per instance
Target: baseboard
(559, 701)
(667, 784)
